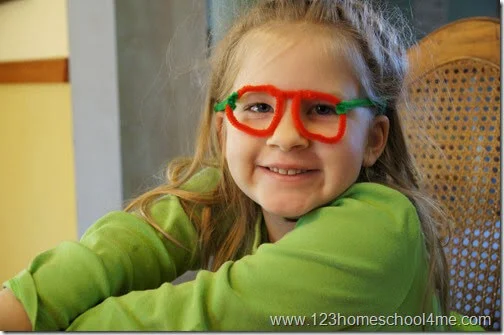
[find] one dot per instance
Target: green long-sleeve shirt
(361, 255)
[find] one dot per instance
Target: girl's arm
(118, 254)
(13, 317)
(364, 255)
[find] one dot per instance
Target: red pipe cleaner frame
(280, 96)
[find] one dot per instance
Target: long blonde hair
(225, 215)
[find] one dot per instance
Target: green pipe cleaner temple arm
(231, 100)
(344, 106)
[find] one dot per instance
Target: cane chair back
(452, 128)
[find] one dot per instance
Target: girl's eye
(323, 110)
(260, 108)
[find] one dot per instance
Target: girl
(301, 199)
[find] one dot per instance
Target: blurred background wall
(75, 151)
(161, 52)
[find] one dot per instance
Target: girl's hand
(13, 316)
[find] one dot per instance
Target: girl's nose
(286, 136)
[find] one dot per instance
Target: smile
(290, 172)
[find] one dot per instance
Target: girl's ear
(377, 140)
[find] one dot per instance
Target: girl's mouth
(289, 172)
(285, 173)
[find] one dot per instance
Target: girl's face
(296, 62)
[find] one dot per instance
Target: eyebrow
(337, 94)
(340, 95)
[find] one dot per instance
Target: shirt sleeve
(118, 254)
(359, 256)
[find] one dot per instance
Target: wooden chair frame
(474, 41)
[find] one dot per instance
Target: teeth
(289, 172)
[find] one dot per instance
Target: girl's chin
(291, 214)
(287, 205)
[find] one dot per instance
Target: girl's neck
(277, 226)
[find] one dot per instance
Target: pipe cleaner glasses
(257, 110)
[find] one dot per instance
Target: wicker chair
(454, 93)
